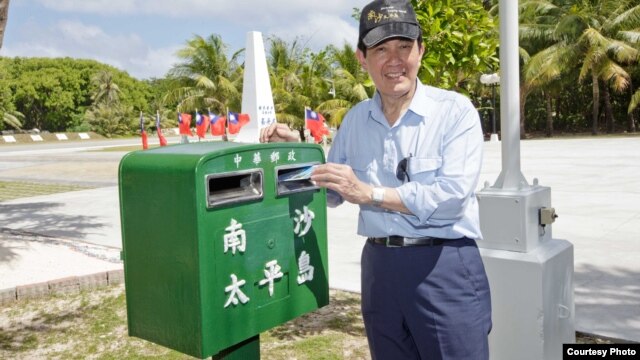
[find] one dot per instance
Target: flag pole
(143, 133)
(306, 131)
(198, 136)
(225, 137)
(209, 125)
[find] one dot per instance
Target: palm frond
(537, 32)
(588, 63)
(547, 65)
(622, 52)
(203, 81)
(594, 39)
(12, 118)
(635, 101)
(614, 75)
(627, 19)
(524, 55)
(630, 36)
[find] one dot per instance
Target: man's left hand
(341, 179)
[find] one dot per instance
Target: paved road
(595, 190)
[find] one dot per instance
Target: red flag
(143, 133)
(236, 121)
(202, 122)
(163, 141)
(315, 124)
(184, 123)
(217, 124)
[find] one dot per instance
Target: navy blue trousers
(426, 302)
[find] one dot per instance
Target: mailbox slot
(286, 186)
(234, 187)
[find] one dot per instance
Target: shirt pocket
(424, 170)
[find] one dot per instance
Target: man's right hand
(278, 132)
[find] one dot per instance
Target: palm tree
(106, 90)
(109, 120)
(8, 115)
(351, 84)
(536, 29)
(4, 15)
(596, 37)
(12, 118)
(292, 80)
(206, 78)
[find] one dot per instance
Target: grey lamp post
(492, 80)
(530, 273)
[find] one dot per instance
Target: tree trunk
(558, 103)
(596, 103)
(4, 15)
(549, 105)
(631, 118)
(608, 112)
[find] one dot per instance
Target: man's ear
(361, 59)
(422, 49)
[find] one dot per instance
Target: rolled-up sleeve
(441, 200)
(336, 155)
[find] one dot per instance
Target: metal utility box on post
(530, 273)
(510, 219)
(216, 248)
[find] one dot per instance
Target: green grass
(18, 189)
(94, 324)
(74, 327)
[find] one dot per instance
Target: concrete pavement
(595, 187)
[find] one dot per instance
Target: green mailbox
(217, 245)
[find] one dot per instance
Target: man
(411, 157)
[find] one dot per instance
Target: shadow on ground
(7, 254)
(341, 315)
(598, 300)
(41, 218)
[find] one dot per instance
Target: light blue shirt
(441, 136)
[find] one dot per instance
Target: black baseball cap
(384, 19)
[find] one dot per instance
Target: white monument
(257, 99)
(530, 273)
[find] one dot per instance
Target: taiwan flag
(163, 141)
(184, 123)
(236, 121)
(315, 124)
(218, 124)
(202, 122)
(143, 133)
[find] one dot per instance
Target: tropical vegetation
(592, 43)
(579, 64)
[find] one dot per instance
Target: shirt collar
(418, 105)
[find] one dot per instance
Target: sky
(141, 37)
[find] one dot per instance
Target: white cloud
(91, 6)
(320, 31)
(78, 40)
(257, 12)
(114, 39)
(156, 63)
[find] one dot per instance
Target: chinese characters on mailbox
(235, 240)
